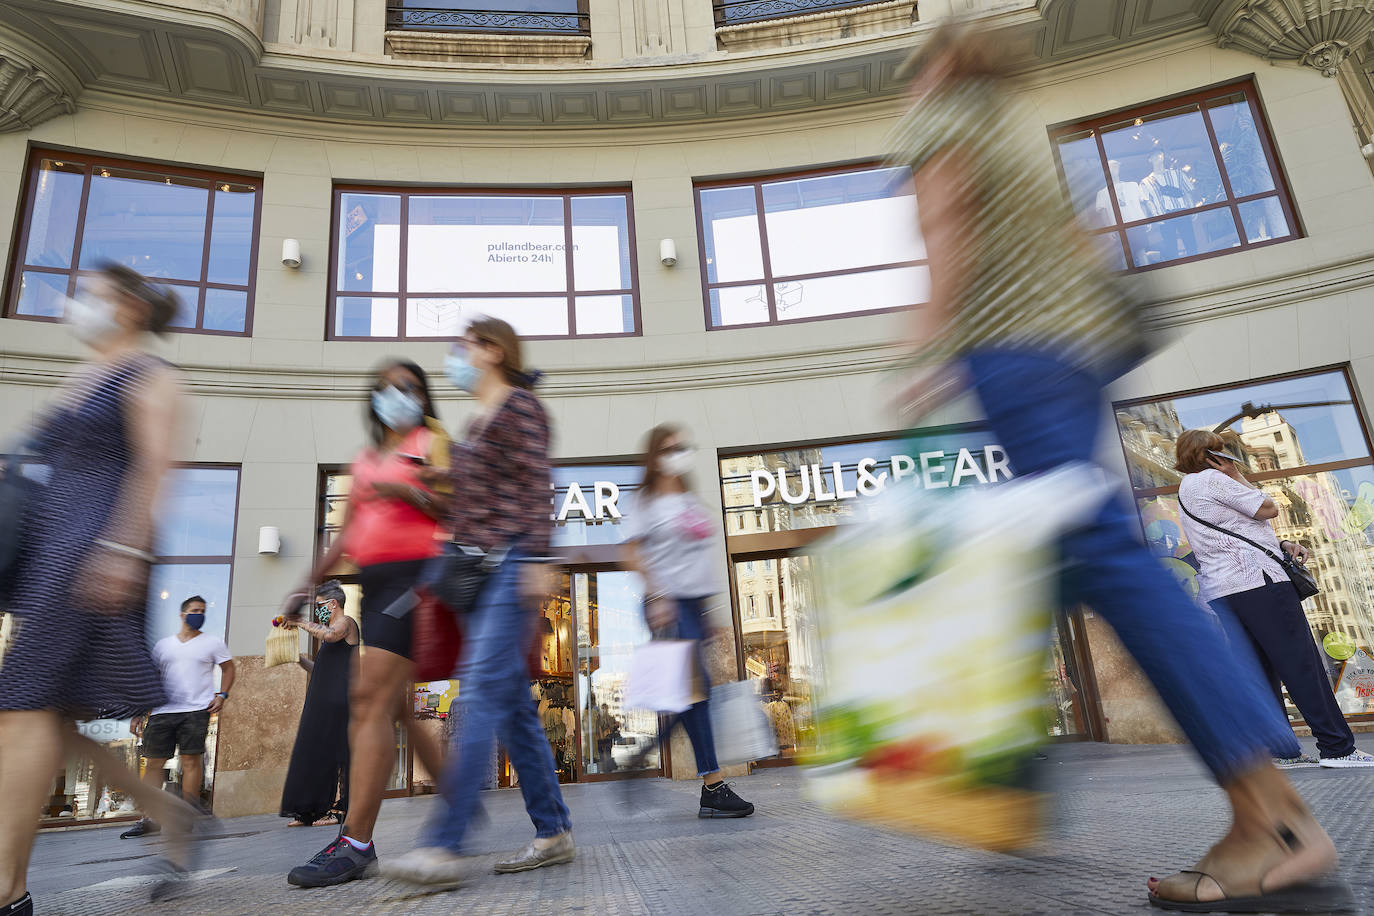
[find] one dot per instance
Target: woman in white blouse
(1257, 590)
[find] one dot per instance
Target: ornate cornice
(28, 95)
(1315, 33)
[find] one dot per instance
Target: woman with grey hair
(316, 790)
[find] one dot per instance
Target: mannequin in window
(1169, 190)
(1129, 198)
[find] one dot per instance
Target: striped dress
(1033, 280)
(83, 664)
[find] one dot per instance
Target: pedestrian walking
(669, 541)
(80, 596)
(316, 789)
(388, 530)
(178, 727)
(501, 503)
(1022, 312)
(1222, 511)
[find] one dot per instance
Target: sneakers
(1296, 763)
(556, 852)
(21, 907)
(721, 801)
(432, 866)
(337, 863)
(1356, 758)
(145, 827)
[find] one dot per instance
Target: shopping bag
(283, 646)
(742, 730)
(436, 639)
(664, 676)
(934, 640)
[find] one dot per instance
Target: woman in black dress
(316, 790)
(80, 598)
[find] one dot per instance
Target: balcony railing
(450, 19)
(738, 12)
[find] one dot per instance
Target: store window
(1307, 446)
(195, 232)
(421, 264)
(195, 548)
(1191, 177)
(541, 17)
(820, 245)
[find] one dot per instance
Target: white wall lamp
(269, 541)
(291, 253)
(667, 252)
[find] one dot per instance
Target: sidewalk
(1124, 813)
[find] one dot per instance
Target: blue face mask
(195, 621)
(398, 410)
(461, 372)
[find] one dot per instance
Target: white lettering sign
(603, 505)
(929, 470)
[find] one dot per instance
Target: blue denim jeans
(696, 721)
(494, 689)
(1046, 413)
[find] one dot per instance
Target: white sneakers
(1356, 758)
(432, 866)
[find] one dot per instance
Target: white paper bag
(742, 730)
(663, 676)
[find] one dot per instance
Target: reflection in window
(544, 17)
(195, 232)
(418, 265)
(1175, 180)
(810, 247)
(1305, 444)
(780, 649)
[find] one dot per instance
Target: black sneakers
(337, 863)
(21, 907)
(721, 801)
(145, 827)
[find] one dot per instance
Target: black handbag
(1303, 581)
(15, 492)
(457, 575)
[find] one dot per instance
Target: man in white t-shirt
(179, 726)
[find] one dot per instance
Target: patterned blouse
(501, 479)
(1228, 565)
(1033, 281)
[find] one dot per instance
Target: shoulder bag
(1303, 581)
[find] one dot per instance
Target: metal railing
(449, 19)
(738, 12)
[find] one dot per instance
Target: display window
(1307, 446)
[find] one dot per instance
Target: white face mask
(677, 462)
(91, 320)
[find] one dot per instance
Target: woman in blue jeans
(668, 541)
(500, 477)
(1021, 311)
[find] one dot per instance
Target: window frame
(768, 280)
(92, 160)
(405, 192)
(1245, 85)
(721, 19)
(396, 21)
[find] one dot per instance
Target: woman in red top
(388, 531)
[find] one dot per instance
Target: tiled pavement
(1123, 814)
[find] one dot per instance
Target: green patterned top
(1034, 280)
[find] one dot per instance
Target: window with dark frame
(739, 12)
(1191, 177)
(805, 246)
(541, 17)
(195, 232)
(415, 264)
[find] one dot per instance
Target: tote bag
(742, 730)
(664, 676)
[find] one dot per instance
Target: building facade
(685, 207)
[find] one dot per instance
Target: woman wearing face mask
(668, 541)
(80, 596)
(388, 531)
(501, 503)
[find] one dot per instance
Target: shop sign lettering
(596, 503)
(928, 469)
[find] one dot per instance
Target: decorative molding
(486, 47)
(28, 96)
(1316, 33)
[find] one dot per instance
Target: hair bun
(532, 377)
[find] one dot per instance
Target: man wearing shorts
(187, 659)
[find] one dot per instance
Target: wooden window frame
(1201, 97)
(90, 162)
(571, 293)
(769, 279)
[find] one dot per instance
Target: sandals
(1241, 883)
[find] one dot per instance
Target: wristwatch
(222, 694)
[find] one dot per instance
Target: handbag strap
(1240, 537)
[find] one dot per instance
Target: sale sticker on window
(1355, 687)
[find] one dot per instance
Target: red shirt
(389, 530)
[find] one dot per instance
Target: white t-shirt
(676, 538)
(188, 671)
(1129, 197)
(1228, 565)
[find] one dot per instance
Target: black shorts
(170, 733)
(384, 584)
